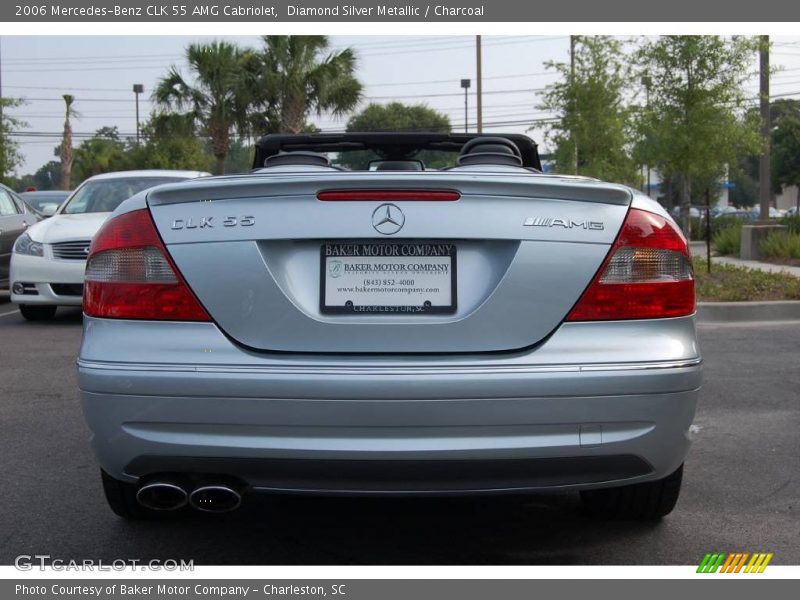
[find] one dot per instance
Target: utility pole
(479, 87)
(465, 83)
(138, 88)
(2, 120)
(573, 40)
(752, 235)
(764, 176)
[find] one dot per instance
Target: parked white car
(48, 260)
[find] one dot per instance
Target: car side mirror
(48, 210)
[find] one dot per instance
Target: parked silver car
(304, 328)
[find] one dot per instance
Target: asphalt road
(741, 486)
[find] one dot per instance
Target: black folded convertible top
(389, 145)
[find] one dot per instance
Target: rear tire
(37, 312)
(121, 498)
(639, 502)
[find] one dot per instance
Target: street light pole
(465, 83)
(479, 86)
(138, 88)
(2, 122)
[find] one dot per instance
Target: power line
(67, 89)
(420, 44)
(438, 41)
(95, 57)
(78, 100)
(455, 80)
(82, 69)
(447, 48)
(515, 91)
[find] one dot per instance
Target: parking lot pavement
(741, 490)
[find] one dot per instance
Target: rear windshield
(39, 200)
(105, 195)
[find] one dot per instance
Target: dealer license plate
(388, 278)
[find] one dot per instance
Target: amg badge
(565, 223)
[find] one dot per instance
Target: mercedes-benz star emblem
(388, 219)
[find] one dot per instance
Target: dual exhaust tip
(166, 496)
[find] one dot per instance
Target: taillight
(646, 275)
(129, 275)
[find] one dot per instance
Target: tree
(295, 75)
(102, 153)
(695, 121)
(66, 144)
(218, 98)
(10, 157)
(744, 176)
(592, 112)
(396, 116)
(170, 141)
(240, 158)
(786, 145)
(48, 176)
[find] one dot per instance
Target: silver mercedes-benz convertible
(347, 319)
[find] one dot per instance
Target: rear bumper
(393, 425)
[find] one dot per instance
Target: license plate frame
(395, 249)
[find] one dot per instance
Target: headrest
(400, 165)
(299, 157)
(490, 151)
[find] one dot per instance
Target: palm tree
(294, 75)
(217, 98)
(66, 144)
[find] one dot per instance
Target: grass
(728, 283)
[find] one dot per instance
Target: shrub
(784, 245)
(728, 240)
(792, 223)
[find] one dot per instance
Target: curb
(780, 310)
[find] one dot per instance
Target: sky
(100, 72)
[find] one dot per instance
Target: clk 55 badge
(208, 222)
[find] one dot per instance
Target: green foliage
(695, 121)
(169, 141)
(593, 114)
(786, 144)
(397, 116)
(103, 153)
(295, 75)
(48, 176)
(781, 246)
(728, 283)
(217, 99)
(744, 175)
(727, 240)
(792, 223)
(10, 157)
(240, 158)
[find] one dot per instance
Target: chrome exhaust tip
(215, 498)
(162, 495)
